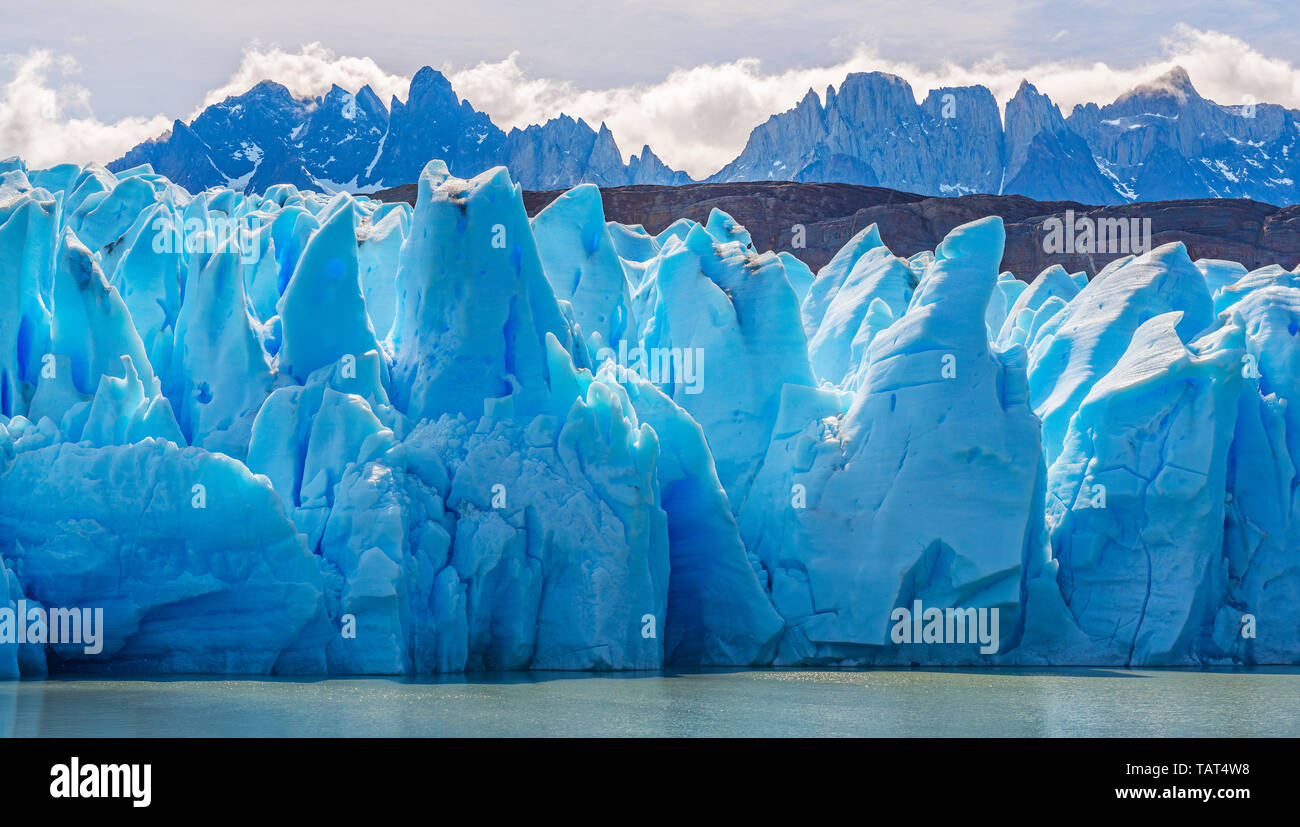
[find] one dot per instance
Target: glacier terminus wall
(296, 434)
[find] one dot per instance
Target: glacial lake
(717, 702)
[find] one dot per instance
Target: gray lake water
(774, 702)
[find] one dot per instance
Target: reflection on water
(776, 702)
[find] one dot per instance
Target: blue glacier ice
(843, 332)
(720, 306)
(583, 266)
(1136, 497)
(309, 433)
(473, 303)
(928, 488)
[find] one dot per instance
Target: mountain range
(351, 141)
(1160, 141)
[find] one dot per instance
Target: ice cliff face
(299, 433)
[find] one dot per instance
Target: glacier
(304, 433)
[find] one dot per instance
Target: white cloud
(47, 120)
(308, 72)
(696, 119)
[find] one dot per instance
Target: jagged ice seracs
(295, 433)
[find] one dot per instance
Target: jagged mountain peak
(861, 87)
(366, 94)
(1028, 91)
(347, 140)
(1028, 100)
(429, 80)
(859, 79)
(1175, 82)
(267, 88)
(564, 127)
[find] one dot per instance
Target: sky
(84, 80)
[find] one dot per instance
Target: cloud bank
(45, 117)
(696, 119)
(311, 71)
